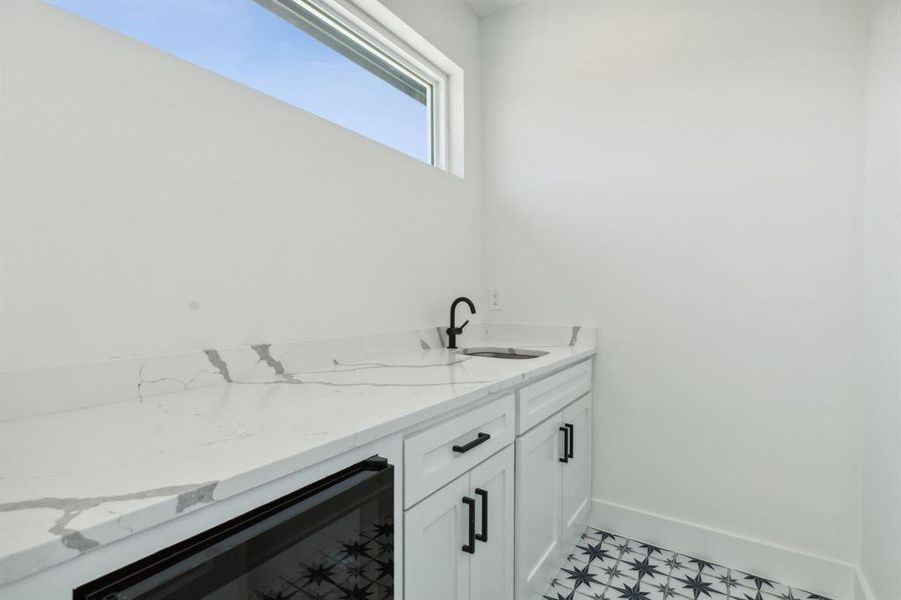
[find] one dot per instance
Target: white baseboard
(862, 589)
(820, 575)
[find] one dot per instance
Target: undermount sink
(514, 353)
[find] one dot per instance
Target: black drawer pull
(565, 431)
(483, 537)
(471, 546)
(480, 439)
(572, 440)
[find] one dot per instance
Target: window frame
(356, 28)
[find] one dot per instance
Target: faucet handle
(457, 330)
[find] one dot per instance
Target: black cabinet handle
(480, 439)
(572, 440)
(471, 546)
(565, 458)
(483, 537)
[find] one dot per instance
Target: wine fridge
(331, 539)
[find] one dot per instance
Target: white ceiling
(483, 8)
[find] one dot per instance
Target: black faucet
(453, 331)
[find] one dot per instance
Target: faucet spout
(453, 331)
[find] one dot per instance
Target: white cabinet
(434, 532)
(469, 493)
(576, 491)
(492, 564)
(538, 483)
(477, 509)
(553, 494)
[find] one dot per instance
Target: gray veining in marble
(216, 360)
(265, 354)
(293, 380)
(52, 389)
(186, 497)
(575, 336)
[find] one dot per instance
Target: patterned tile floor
(604, 566)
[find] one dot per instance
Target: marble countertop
(73, 480)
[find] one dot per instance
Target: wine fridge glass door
(334, 539)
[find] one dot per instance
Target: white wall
(149, 206)
(688, 175)
(882, 309)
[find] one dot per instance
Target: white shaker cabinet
(434, 532)
(459, 541)
(538, 484)
(576, 490)
(492, 564)
(553, 475)
(490, 518)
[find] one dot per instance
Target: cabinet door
(435, 530)
(491, 574)
(538, 516)
(576, 498)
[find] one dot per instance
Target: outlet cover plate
(495, 300)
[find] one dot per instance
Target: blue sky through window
(247, 43)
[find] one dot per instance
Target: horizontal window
(294, 50)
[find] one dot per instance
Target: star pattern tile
(360, 568)
(604, 566)
(580, 576)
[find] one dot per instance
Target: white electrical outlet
(494, 299)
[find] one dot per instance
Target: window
(318, 56)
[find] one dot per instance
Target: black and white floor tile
(604, 566)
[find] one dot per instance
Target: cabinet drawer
(543, 398)
(439, 454)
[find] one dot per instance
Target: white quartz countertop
(73, 480)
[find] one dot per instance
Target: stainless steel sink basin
(514, 353)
